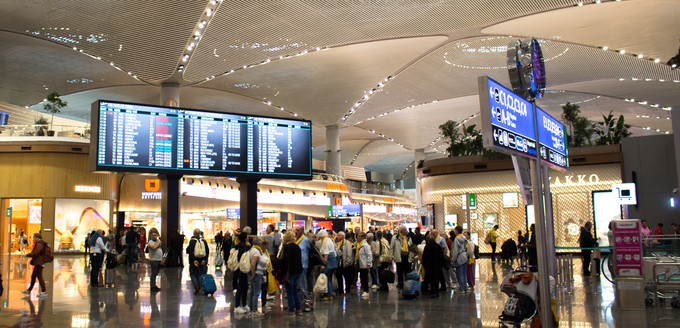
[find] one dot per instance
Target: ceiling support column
(333, 150)
(170, 184)
(419, 155)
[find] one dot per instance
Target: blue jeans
(302, 282)
(331, 265)
(195, 272)
(293, 296)
(461, 275)
(254, 293)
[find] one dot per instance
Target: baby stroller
(522, 288)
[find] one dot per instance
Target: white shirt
(154, 254)
(99, 247)
(327, 247)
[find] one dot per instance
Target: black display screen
(156, 139)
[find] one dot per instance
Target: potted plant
(40, 124)
(53, 105)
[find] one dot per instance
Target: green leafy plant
(54, 105)
(462, 140)
(580, 128)
(611, 131)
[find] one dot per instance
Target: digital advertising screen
(341, 211)
(155, 139)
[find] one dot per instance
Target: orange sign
(152, 185)
(388, 200)
(337, 187)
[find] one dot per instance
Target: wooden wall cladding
(46, 174)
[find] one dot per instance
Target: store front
(498, 201)
(52, 193)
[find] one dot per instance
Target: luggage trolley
(664, 282)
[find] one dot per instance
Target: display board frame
(301, 128)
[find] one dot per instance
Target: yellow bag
(272, 287)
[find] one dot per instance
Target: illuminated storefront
(498, 201)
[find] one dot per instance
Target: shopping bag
(321, 285)
(272, 287)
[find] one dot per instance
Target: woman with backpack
(38, 260)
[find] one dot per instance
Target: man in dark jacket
(433, 258)
(586, 240)
(198, 260)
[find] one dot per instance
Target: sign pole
(541, 235)
(467, 210)
(550, 222)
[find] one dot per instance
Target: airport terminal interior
(344, 115)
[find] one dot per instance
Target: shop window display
(26, 218)
(75, 218)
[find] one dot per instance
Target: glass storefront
(75, 218)
(26, 218)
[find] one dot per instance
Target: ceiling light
(622, 52)
(197, 34)
(657, 60)
(208, 12)
(640, 56)
(605, 48)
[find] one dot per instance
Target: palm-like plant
(54, 105)
(612, 130)
(580, 129)
(462, 140)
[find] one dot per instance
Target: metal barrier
(565, 272)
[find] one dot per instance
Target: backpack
(244, 262)
(199, 248)
(487, 239)
(232, 262)
(47, 254)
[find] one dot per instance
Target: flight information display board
(156, 139)
(508, 126)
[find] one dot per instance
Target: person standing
(87, 243)
(399, 247)
(586, 242)
(364, 261)
(132, 246)
(38, 262)
(218, 240)
(470, 271)
(241, 278)
(375, 250)
(385, 259)
(258, 264)
(493, 234)
(290, 271)
(23, 242)
(198, 259)
(532, 253)
(155, 257)
(433, 258)
(327, 251)
(459, 258)
(269, 235)
(142, 244)
(97, 251)
(303, 242)
(344, 250)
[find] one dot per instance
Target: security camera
(675, 191)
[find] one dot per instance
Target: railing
(371, 188)
(661, 245)
(69, 131)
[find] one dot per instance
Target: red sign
(627, 248)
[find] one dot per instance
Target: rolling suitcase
(109, 277)
(218, 262)
(208, 284)
(411, 289)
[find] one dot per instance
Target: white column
(418, 156)
(169, 94)
(675, 119)
(333, 150)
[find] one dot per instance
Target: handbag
(321, 285)
(272, 286)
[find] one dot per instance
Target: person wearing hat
(327, 251)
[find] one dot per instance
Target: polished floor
(71, 303)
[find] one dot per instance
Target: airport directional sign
(508, 126)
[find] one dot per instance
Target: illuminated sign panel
(508, 126)
(155, 139)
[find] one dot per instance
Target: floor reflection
(130, 303)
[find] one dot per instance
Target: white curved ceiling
(387, 72)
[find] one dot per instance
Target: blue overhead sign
(508, 126)
(552, 139)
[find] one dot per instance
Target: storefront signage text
(336, 187)
(576, 180)
(90, 189)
